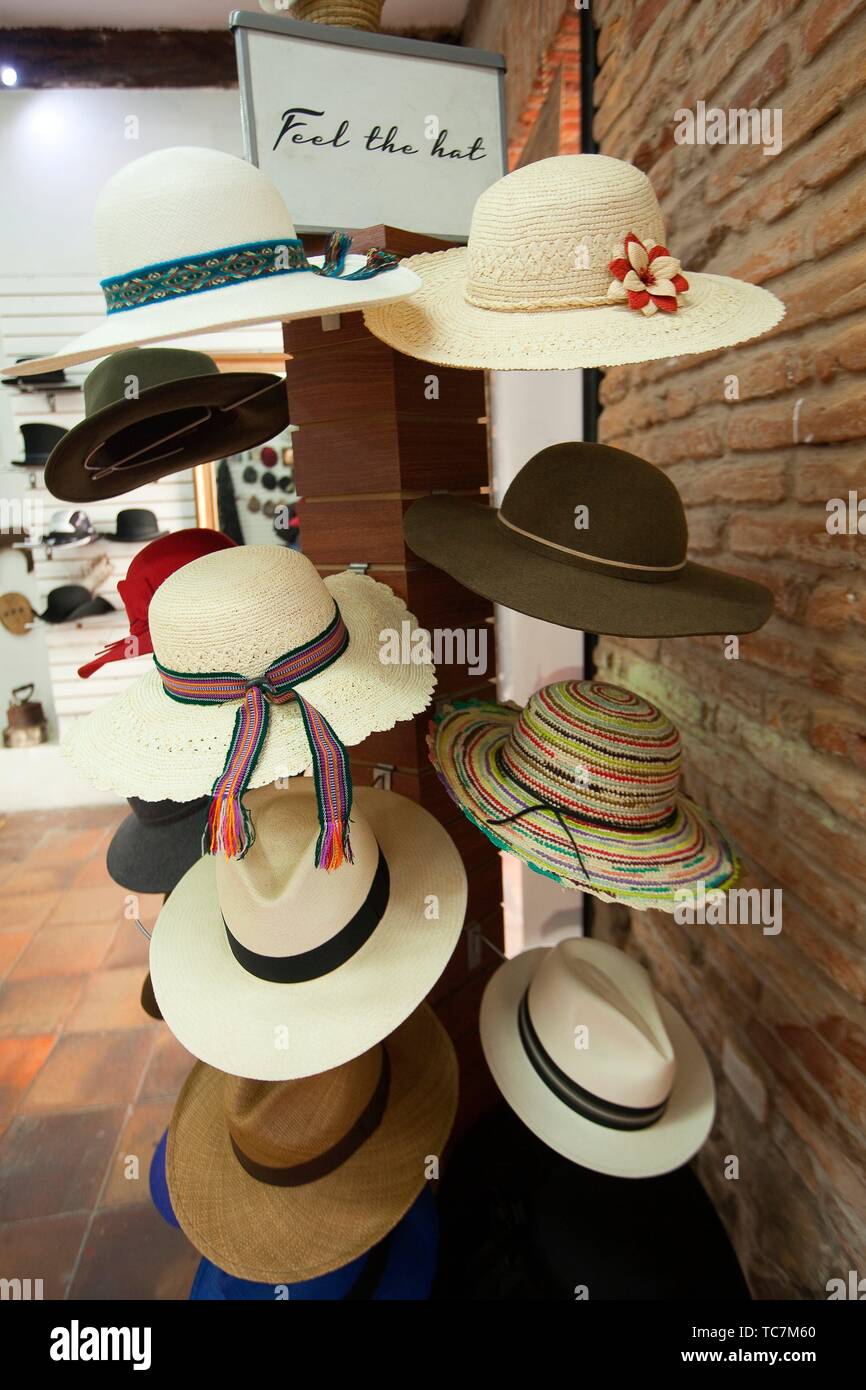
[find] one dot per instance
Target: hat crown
(544, 235)
(282, 1123)
(182, 202)
(124, 375)
(274, 900)
(596, 751)
(237, 610)
(162, 557)
(595, 1013)
(569, 496)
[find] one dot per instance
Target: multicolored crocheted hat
(582, 784)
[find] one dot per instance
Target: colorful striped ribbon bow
(229, 827)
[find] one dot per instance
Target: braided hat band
(230, 829)
(233, 265)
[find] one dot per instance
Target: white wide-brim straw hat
(660, 1148)
(275, 1031)
(175, 219)
(531, 289)
(210, 617)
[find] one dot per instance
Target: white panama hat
(536, 288)
(601, 1068)
(192, 240)
(269, 969)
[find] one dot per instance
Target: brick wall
(540, 40)
(776, 740)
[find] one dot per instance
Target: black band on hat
(298, 1174)
(321, 960)
(582, 1102)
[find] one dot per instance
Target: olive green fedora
(154, 411)
(587, 537)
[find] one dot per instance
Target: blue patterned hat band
(235, 265)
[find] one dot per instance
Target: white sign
(358, 129)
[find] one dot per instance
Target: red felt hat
(147, 571)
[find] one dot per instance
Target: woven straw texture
(353, 14)
(530, 290)
(187, 201)
(661, 1148)
(277, 903)
(610, 761)
(278, 1235)
(238, 610)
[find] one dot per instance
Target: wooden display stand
(376, 430)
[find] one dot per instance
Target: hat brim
(154, 858)
(253, 422)
(94, 608)
(142, 743)
(466, 541)
(229, 1018)
(281, 1234)
(132, 540)
(643, 1153)
(409, 1263)
(643, 870)
(439, 325)
(269, 300)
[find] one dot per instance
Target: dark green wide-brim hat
(150, 412)
(587, 537)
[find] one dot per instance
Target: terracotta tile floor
(87, 1080)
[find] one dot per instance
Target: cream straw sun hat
(601, 1068)
(265, 967)
(191, 240)
(567, 266)
(262, 669)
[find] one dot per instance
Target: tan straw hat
(555, 249)
(267, 968)
(601, 1068)
(281, 1182)
(262, 669)
(351, 14)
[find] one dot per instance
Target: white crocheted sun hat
(567, 266)
(193, 240)
(240, 611)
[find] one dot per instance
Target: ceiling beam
(134, 57)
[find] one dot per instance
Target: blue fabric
(410, 1261)
(158, 1185)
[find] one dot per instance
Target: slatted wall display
(39, 315)
(361, 456)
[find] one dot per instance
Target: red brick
(839, 415)
(823, 473)
(823, 21)
(791, 535)
(846, 351)
(753, 481)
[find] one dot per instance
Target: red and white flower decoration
(648, 279)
